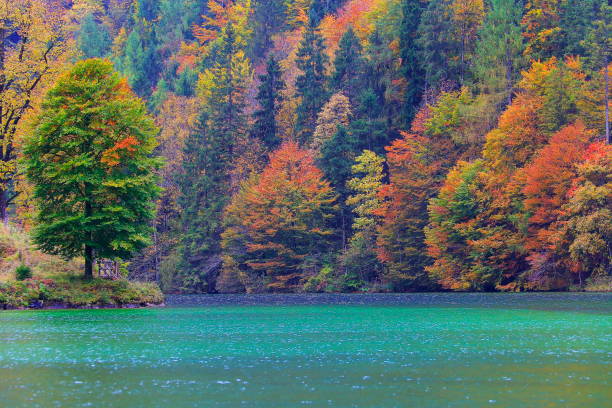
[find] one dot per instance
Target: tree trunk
(88, 248)
(88, 262)
(4, 206)
(608, 140)
(509, 69)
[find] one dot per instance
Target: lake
(415, 350)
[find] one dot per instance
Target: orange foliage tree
(417, 164)
(587, 240)
(547, 183)
(277, 224)
(495, 240)
(358, 14)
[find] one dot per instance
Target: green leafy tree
(360, 257)
(269, 98)
(90, 162)
(310, 84)
(449, 231)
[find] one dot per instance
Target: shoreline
(422, 299)
(77, 293)
(67, 306)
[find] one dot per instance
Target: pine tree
(269, 18)
(598, 43)
(93, 39)
(147, 9)
(223, 89)
(499, 50)
(209, 157)
(411, 66)
(310, 84)
(348, 67)
(269, 98)
(90, 162)
(204, 186)
(576, 20)
(140, 62)
(437, 46)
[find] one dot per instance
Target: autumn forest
(249, 146)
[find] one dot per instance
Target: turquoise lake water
(426, 350)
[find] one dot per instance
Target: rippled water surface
(425, 350)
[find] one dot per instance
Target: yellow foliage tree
(32, 43)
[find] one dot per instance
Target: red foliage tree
(547, 184)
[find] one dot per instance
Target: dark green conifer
(269, 97)
(310, 85)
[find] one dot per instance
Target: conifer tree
(347, 76)
(140, 62)
(311, 83)
(599, 45)
(269, 18)
(336, 159)
(437, 46)
(411, 66)
(204, 186)
(93, 40)
(576, 20)
(269, 98)
(90, 162)
(209, 156)
(499, 50)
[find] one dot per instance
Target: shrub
(23, 272)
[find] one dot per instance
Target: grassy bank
(55, 282)
(77, 293)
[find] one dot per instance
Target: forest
(248, 146)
